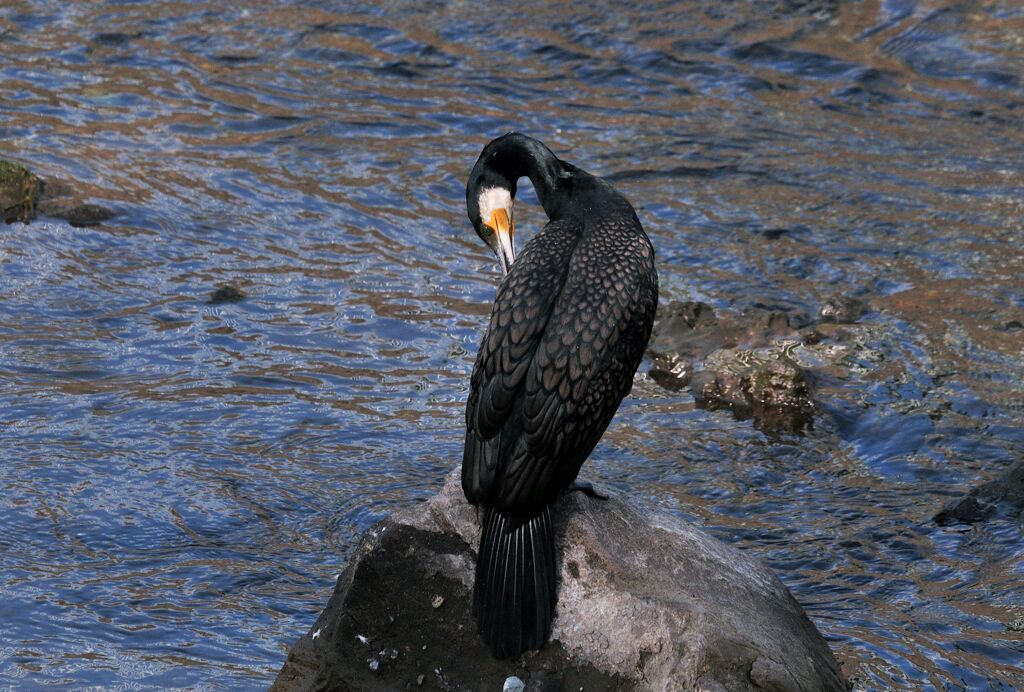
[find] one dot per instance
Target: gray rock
(646, 601)
(226, 294)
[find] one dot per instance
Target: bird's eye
(486, 230)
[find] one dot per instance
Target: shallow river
(183, 480)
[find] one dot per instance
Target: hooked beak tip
(504, 246)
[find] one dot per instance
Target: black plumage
(568, 329)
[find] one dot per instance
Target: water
(182, 480)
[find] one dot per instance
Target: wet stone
(84, 215)
(116, 38)
(843, 309)
(1005, 491)
(225, 294)
(967, 510)
(767, 386)
(739, 363)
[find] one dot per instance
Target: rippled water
(182, 480)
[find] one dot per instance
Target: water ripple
(184, 479)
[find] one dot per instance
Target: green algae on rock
(19, 192)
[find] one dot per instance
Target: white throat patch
(492, 198)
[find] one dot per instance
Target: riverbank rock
(646, 602)
(977, 505)
(24, 195)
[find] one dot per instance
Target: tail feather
(515, 590)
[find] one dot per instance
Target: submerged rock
(981, 502)
(740, 363)
(225, 294)
(646, 601)
(759, 364)
(766, 385)
(83, 215)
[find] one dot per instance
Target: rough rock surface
(737, 362)
(982, 501)
(646, 601)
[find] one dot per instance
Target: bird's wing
(520, 314)
(583, 366)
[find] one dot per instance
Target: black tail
(514, 595)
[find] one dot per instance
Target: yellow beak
(505, 230)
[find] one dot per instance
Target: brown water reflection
(182, 480)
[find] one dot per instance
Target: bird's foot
(587, 489)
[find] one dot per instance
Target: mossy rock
(24, 196)
(19, 192)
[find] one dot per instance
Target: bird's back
(567, 332)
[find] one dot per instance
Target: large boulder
(646, 601)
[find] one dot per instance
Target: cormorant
(569, 326)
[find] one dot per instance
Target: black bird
(568, 328)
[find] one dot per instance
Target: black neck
(515, 155)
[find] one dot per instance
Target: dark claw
(587, 489)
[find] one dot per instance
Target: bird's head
(489, 199)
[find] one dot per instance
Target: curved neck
(515, 155)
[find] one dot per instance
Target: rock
(59, 200)
(83, 215)
(740, 363)
(19, 192)
(23, 196)
(966, 510)
(646, 601)
(225, 294)
(766, 385)
(513, 684)
(982, 501)
(694, 330)
(843, 309)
